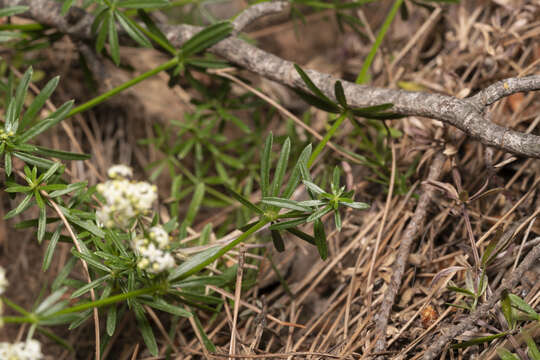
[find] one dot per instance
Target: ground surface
(335, 304)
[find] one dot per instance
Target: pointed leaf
(245, 201)
(284, 203)
(265, 165)
(132, 30)
(296, 174)
(145, 329)
(281, 167)
(277, 240)
(13, 10)
(340, 94)
(113, 39)
(314, 89)
(39, 101)
(206, 38)
(320, 239)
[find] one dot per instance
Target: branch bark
(465, 114)
(411, 232)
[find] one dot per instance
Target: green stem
(18, 319)
(326, 138)
(15, 307)
(225, 249)
(23, 27)
(104, 302)
(95, 101)
(156, 39)
(362, 76)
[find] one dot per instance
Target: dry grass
(334, 304)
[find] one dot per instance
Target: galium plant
(134, 261)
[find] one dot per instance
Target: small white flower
(29, 350)
(3, 280)
(153, 259)
(120, 172)
(124, 200)
(159, 235)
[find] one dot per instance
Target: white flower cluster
(120, 172)
(154, 251)
(3, 280)
(124, 198)
(28, 350)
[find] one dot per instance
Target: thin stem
(362, 76)
(23, 27)
(104, 302)
(326, 138)
(264, 221)
(15, 306)
(156, 39)
(95, 101)
(18, 319)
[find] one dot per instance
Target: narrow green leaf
(102, 20)
(504, 354)
(50, 300)
(284, 203)
(195, 204)
(313, 187)
(23, 205)
(319, 103)
(59, 154)
(90, 260)
(13, 10)
(50, 248)
(111, 319)
(51, 171)
(160, 304)
(91, 285)
(20, 94)
(281, 167)
(320, 239)
(533, 351)
(277, 240)
(69, 188)
(142, 4)
(340, 94)
(43, 125)
(113, 39)
(522, 305)
(314, 89)
(193, 262)
(356, 205)
(39, 101)
(245, 201)
(7, 163)
(6, 36)
(478, 340)
(265, 165)
(506, 307)
(337, 220)
(461, 291)
(283, 225)
(152, 27)
(66, 6)
(206, 38)
(206, 340)
(296, 174)
(42, 224)
(132, 30)
(34, 160)
(145, 329)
